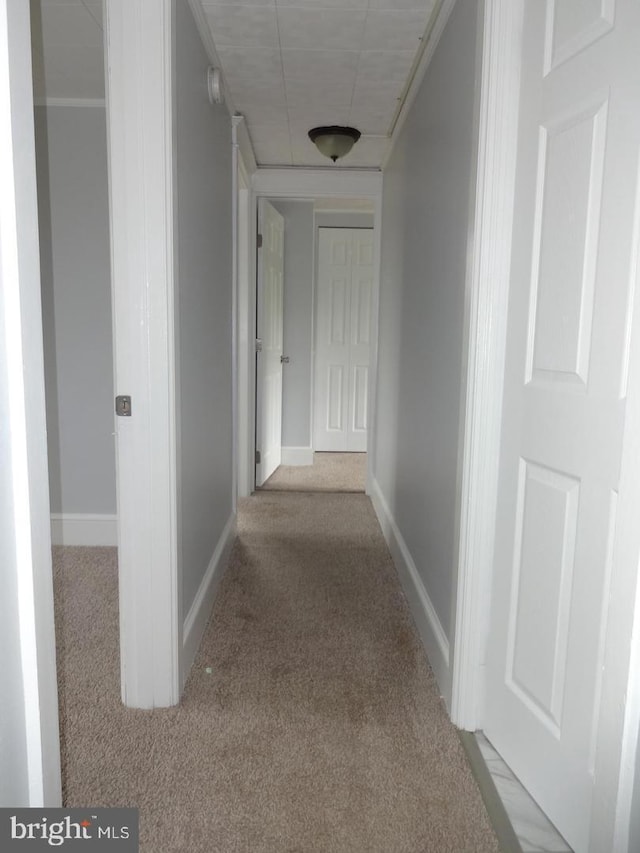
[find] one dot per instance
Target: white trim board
(197, 618)
(427, 622)
(297, 456)
(487, 299)
(141, 121)
(84, 529)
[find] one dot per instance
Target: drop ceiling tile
(244, 26)
(385, 66)
(266, 92)
(372, 119)
(70, 24)
(320, 29)
(382, 95)
(262, 113)
(305, 117)
(312, 64)
(272, 154)
(270, 134)
(397, 30)
(318, 92)
(250, 61)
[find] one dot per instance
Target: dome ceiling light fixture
(334, 141)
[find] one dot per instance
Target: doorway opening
(314, 321)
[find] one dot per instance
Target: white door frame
(139, 54)
(25, 548)
(488, 288)
(303, 184)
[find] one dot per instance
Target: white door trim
(140, 104)
(299, 184)
(488, 289)
(25, 553)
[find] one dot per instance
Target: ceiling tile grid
(291, 65)
(288, 65)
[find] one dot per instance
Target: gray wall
(204, 290)
(73, 201)
(425, 226)
(297, 322)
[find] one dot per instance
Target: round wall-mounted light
(334, 141)
(215, 86)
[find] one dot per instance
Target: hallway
(311, 720)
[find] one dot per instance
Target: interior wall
(425, 229)
(73, 206)
(297, 321)
(204, 305)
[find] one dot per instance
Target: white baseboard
(297, 455)
(84, 529)
(199, 612)
(427, 621)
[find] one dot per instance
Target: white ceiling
(289, 65)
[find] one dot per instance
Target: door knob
(284, 359)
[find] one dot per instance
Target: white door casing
(567, 365)
(139, 38)
(343, 338)
(269, 332)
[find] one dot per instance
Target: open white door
(29, 740)
(343, 335)
(567, 360)
(269, 334)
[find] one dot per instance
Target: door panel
(343, 322)
(564, 397)
(269, 331)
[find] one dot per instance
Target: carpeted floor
(319, 728)
(330, 472)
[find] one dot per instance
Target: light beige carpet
(319, 728)
(330, 472)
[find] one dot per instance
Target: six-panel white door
(343, 330)
(564, 399)
(269, 333)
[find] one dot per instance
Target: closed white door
(343, 329)
(564, 397)
(269, 335)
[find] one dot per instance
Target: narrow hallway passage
(311, 720)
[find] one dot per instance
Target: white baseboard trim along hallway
(427, 621)
(84, 529)
(199, 612)
(297, 456)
